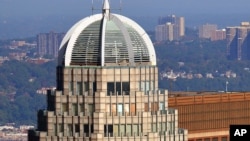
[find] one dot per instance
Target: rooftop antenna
(120, 6)
(92, 9)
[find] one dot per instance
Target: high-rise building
(107, 86)
(48, 43)
(238, 41)
(218, 35)
(206, 30)
(170, 28)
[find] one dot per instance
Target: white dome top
(106, 40)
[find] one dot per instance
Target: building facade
(48, 43)
(170, 28)
(208, 116)
(218, 35)
(206, 30)
(107, 86)
(238, 42)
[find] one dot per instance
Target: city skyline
(20, 19)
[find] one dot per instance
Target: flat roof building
(208, 115)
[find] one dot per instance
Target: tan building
(206, 30)
(107, 86)
(170, 28)
(208, 116)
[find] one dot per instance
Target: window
(133, 109)
(125, 88)
(120, 109)
(162, 106)
(55, 129)
(153, 128)
(224, 139)
(118, 88)
(74, 109)
(79, 88)
(135, 130)
(70, 129)
(126, 109)
(108, 130)
(154, 106)
(64, 107)
(110, 88)
(88, 129)
(86, 86)
(114, 109)
(71, 86)
(122, 130)
(146, 108)
(91, 108)
(60, 127)
(215, 139)
(77, 128)
(129, 130)
(82, 108)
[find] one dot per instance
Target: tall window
(108, 130)
(86, 86)
(71, 86)
(74, 109)
(88, 129)
(144, 86)
(79, 88)
(120, 109)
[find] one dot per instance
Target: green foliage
(201, 56)
(19, 81)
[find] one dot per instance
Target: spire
(106, 7)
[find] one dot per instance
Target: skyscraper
(48, 43)
(107, 86)
(238, 42)
(170, 28)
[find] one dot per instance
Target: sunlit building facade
(107, 86)
(170, 28)
(208, 115)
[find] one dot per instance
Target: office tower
(107, 86)
(48, 43)
(238, 41)
(205, 31)
(170, 28)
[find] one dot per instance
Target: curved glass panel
(141, 53)
(115, 44)
(87, 48)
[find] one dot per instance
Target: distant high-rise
(170, 28)
(238, 42)
(48, 43)
(107, 86)
(218, 35)
(206, 30)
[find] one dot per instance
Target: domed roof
(106, 40)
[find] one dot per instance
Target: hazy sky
(33, 16)
(13, 8)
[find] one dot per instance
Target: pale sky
(13, 8)
(19, 18)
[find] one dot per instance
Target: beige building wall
(108, 103)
